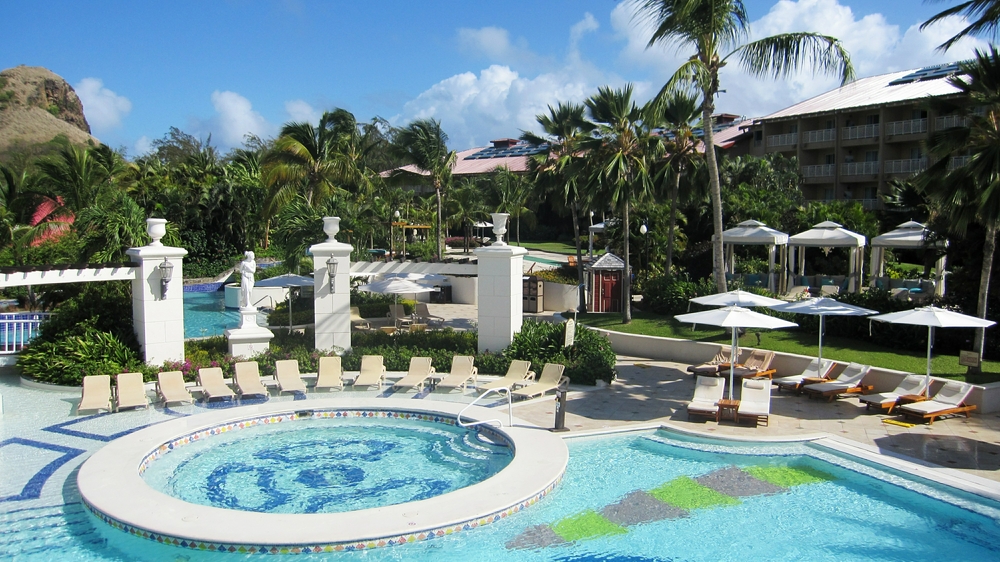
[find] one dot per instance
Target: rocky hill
(36, 105)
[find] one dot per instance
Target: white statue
(247, 269)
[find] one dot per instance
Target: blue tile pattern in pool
(205, 314)
(33, 487)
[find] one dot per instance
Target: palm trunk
(984, 290)
(518, 232)
(579, 257)
(715, 190)
(438, 241)
(673, 221)
(627, 276)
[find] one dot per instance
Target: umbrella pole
(732, 364)
(927, 379)
(821, 316)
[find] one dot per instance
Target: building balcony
(786, 140)
(949, 121)
(958, 161)
(818, 171)
(820, 135)
(860, 132)
(909, 127)
(870, 204)
(859, 169)
(910, 166)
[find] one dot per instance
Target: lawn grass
(564, 248)
(799, 342)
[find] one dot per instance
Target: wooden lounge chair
(96, 394)
(248, 380)
(130, 392)
(330, 375)
(910, 386)
(757, 365)
(812, 371)
(357, 322)
(517, 373)
(420, 370)
(755, 401)
(424, 315)
(723, 356)
(707, 393)
(462, 371)
(397, 313)
(548, 380)
(372, 372)
(796, 292)
(847, 382)
(171, 389)
(212, 384)
(289, 379)
(949, 400)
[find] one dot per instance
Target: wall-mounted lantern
(166, 271)
(331, 270)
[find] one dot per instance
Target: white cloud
(143, 146)
(103, 108)
(235, 119)
(301, 111)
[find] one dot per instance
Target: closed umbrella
(736, 298)
(734, 317)
(933, 317)
(822, 307)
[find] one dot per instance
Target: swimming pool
(205, 314)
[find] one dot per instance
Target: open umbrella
(287, 280)
(933, 317)
(736, 298)
(734, 317)
(395, 287)
(822, 307)
(418, 277)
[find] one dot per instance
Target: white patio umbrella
(287, 280)
(736, 298)
(395, 287)
(418, 277)
(822, 307)
(933, 317)
(734, 317)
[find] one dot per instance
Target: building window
(871, 156)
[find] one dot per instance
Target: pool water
(648, 497)
(205, 314)
(326, 465)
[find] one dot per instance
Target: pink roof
(465, 167)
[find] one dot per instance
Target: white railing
(949, 121)
(17, 329)
(821, 135)
(859, 168)
(860, 132)
(870, 204)
(783, 140)
(510, 409)
(911, 166)
(910, 127)
(818, 171)
(958, 161)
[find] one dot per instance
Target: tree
(620, 155)
(970, 192)
(425, 145)
(713, 27)
(465, 207)
(985, 15)
(303, 162)
(558, 166)
(514, 192)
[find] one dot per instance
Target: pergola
(829, 234)
(754, 233)
(910, 235)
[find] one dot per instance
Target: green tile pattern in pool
(586, 525)
(685, 493)
(788, 476)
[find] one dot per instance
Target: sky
(226, 68)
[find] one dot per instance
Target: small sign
(570, 333)
(968, 358)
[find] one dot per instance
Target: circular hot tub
(279, 479)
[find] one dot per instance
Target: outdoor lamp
(643, 229)
(331, 270)
(166, 271)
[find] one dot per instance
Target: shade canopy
(822, 307)
(911, 235)
(828, 234)
(736, 298)
(286, 280)
(754, 233)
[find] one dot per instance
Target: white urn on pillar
(500, 227)
(331, 226)
(156, 229)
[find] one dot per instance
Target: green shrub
(670, 294)
(85, 351)
(588, 360)
(108, 304)
(376, 305)
(557, 276)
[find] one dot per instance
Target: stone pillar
(158, 300)
(501, 268)
(333, 303)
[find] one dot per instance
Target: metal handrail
(510, 410)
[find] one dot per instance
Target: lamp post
(392, 239)
(644, 230)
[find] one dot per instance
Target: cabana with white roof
(910, 235)
(754, 233)
(829, 234)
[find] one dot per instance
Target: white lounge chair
(372, 372)
(330, 375)
(711, 367)
(517, 373)
(357, 321)
(171, 388)
(812, 371)
(130, 392)
(755, 401)
(424, 315)
(949, 400)
(96, 394)
(397, 313)
(548, 380)
(212, 384)
(707, 393)
(248, 380)
(911, 385)
(420, 370)
(462, 371)
(847, 382)
(286, 372)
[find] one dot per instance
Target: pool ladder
(510, 410)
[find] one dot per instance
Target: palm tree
(971, 192)
(674, 113)
(74, 175)
(620, 155)
(985, 15)
(514, 191)
(304, 162)
(558, 167)
(465, 207)
(424, 144)
(713, 27)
